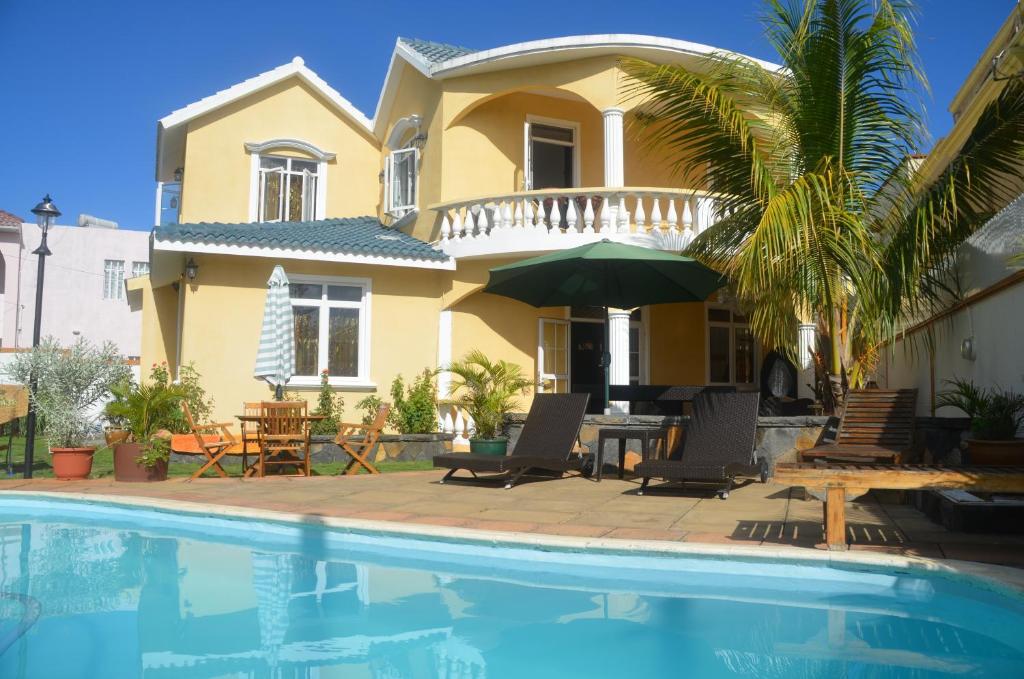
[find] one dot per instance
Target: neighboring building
(387, 226)
(978, 336)
(84, 292)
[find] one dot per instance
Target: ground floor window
(731, 348)
(553, 358)
(331, 317)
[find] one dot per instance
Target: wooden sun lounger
(844, 482)
(877, 426)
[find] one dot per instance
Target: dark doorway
(585, 362)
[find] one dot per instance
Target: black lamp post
(46, 213)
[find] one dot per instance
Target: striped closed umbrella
(275, 360)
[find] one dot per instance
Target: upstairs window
(113, 279)
(400, 181)
(287, 189)
(140, 269)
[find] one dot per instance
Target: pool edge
(1004, 578)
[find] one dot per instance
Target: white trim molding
(302, 255)
(293, 144)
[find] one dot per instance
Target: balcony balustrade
(551, 219)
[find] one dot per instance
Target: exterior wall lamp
(191, 269)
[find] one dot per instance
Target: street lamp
(46, 213)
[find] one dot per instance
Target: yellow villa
(387, 226)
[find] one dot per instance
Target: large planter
(998, 453)
(71, 463)
(488, 446)
(128, 470)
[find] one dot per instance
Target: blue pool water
(136, 593)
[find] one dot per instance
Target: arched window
(286, 188)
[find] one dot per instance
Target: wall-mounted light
(179, 173)
(419, 141)
(191, 269)
(967, 349)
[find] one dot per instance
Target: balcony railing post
(638, 214)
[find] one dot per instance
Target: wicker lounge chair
(719, 444)
(546, 442)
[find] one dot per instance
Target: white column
(614, 174)
(618, 346)
(805, 344)
(444, 352)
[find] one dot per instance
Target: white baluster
(638, 215)
(656, 214)
(482, 222)
(519, 214)
(449, 423)
(672, 218)
(528, 213)
(606, 215)
(470, 224)
(622, 216)
(687, 224)
(588, 215)
(460, 428)
(446, 228)
(570, 215)
(457, 225)
(556, 217)
(470, 426)
(506, 214)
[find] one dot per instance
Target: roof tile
(8, 219)
(349, 235)
(436, 52)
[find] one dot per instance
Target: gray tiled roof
(436, 52)
(349, 235)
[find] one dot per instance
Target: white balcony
(527, 222)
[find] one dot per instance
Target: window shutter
(308, 195)
(388, 161)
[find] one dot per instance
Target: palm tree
(823, 215)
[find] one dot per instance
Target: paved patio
(754, 514)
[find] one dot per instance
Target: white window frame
(287, 174)
(554, 377)
(304, 151)
(113, 289)
(390, 207)
(135, 268)
(528, 156)
(643, 345)
(732, 326)
(364, 306)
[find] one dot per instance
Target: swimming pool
(126, 592)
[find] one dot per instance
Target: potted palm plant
(147, 411)
(996, 416)
(488, 390)
(70, 386)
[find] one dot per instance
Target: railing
(536, 220)
(454, 419)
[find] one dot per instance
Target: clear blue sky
(83, 83)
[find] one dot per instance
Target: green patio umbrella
(605, 274)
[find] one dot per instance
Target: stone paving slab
(766, 515)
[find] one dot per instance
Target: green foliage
(996, 415)
(190, 384)
(331, 406)
(70, 385)
(414, 410)
(488, 390)
(370, 405)
(148, 412)
(821, 217)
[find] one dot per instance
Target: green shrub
(147, 411)
(488, 390)
(414, 409)
(190, 385)
(996, 415)
(329, 405)
(370, 405)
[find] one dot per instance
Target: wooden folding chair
(214, 450)
(358, 440)
(250, 432)
(284, 436)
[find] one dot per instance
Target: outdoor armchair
(359, 441)
(213, 440)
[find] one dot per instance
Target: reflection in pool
(127, 593)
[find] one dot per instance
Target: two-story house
(387, 226)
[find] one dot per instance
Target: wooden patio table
(255, 419)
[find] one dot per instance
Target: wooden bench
(877, 426)
(844, 482)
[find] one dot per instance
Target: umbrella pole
(606, 359)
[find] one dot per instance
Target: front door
(585, 362)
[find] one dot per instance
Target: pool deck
(754, 515)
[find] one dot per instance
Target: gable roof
(8, 219)
(355, 239)
(171, 128)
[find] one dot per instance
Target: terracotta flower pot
(998, 453)
(72, 463)
(128, 470)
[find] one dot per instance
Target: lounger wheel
(765, 470)
(723, 495)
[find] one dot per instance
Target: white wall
(996, 322)
(73, 303)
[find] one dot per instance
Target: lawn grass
(103, 464)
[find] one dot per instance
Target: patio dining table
(255, 419)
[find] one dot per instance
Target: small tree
(190, 385)
(414, 409)
(331, 406)
(71, 384)
(489, 390)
